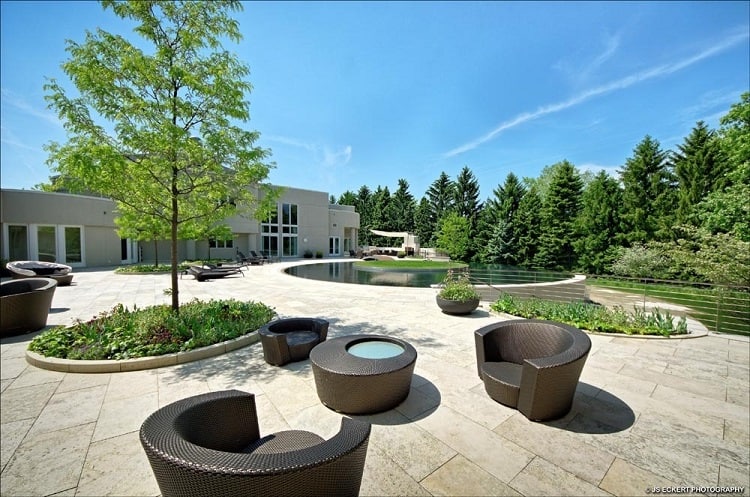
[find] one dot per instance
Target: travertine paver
(647, 412)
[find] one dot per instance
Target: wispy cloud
(323, 155)
(14, 100)
(620, 84)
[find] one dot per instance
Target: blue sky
(354, 93)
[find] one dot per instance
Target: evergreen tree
(559, 212)
(402, 208)
(502, 247)
(598, 224)
(467, 204)
(348, 198)
(441, 196)
(382, 215)
(648, 193)
(700, 168)
(529, 226)
(502, 207)
(363, 205)
(422, 227)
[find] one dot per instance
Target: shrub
(593, 317)
(318, 254)
(457, 287)
(401, 255)
(308, 254)
(125, 334)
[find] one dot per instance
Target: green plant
(308, 254)
(593, 317)
(457, 287)
(401, 255)
(318, 254)
(122, 333)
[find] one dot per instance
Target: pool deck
(648, 412)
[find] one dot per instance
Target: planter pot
(457, 307)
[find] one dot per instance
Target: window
(214, 243)
(73, 247)
(334, 245)
(18, 243)
(46, 243)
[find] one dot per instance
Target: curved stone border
(151, 362)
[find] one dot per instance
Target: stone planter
(457, 307)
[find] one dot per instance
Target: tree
(348, 198)
(598, 224)
(734, 133)
(454, 236)
(382, 214)
(155, 130)
(648, 194)
(559, 212)
(441, 196)
(529, 227)
(364, 206)
(422, 226)
(700, 168)
(402, 208)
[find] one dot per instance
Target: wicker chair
(292, 339)
(210, 444)
(41, 269)
(532, 365)
(24, 304)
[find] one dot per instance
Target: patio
(648, 412)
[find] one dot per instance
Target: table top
(336, 355)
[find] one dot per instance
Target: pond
(348, 272)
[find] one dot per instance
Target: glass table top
(375, 349)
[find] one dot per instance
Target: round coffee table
(362, 374)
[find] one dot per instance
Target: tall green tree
(382, 215)
(598, 224)
(700, 168)
(454, 236)
(403, 206)
(441, 196)
(467, 204)
(648, 193)
(529, 226)
(347, 198)
(422, 226)
(364, 205)
(559, 212)
(502, 208)
(160, 129)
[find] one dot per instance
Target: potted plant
(457, 295)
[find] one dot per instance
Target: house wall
(101, 246)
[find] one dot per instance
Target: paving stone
(383, 477)
(543, 478)
(11, 435)
(25, 403)
(121, 416)
(459, 476)
(626, 479)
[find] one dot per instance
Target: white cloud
(322, 155)
(332, 158)
(620, 84)
(10, 98)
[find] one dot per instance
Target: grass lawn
(411, 264)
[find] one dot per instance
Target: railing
(722, 309)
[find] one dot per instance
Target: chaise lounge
(210, 444)
(532, 365)
(206, 273)
(35, 269)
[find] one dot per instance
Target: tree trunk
(175, 217)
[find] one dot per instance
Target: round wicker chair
(210, 444)
(35, 269)
(24, 304)
(291, 339)
(532, 365)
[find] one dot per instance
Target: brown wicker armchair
(25, 304)
(41, 269)
(532, 365)
(210, 444)
(291, 339)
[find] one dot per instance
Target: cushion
(300, 343)
(502, 381)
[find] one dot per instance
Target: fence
(722, 309)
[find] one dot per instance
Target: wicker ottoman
(363, 374)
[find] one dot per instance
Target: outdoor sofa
(210, 444)
(291, 339)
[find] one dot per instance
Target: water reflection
(347, 272)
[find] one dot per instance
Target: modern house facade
(80, 231)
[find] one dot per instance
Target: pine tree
(700, 168)
(502, 207)
(422, 227)
(598, 224)
(402, 207)
(648, 193)
(559, 212)
(363, 205)
(529, 227)
(441, 196)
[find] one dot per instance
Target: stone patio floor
(648, 412)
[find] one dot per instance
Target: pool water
(375, 349)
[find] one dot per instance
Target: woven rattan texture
(277, 350)
(25, 304)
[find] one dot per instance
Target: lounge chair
(243, 259)
(210, 444)
(203, 274)
(263, 257)
(40, 269)
(232, 269)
